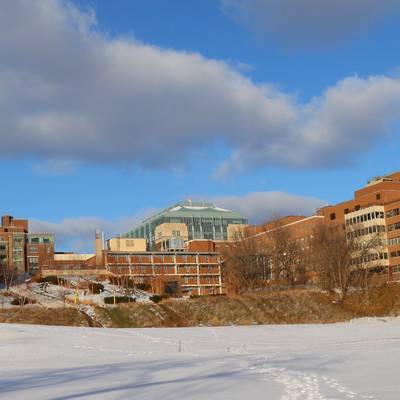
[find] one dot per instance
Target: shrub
(114, 280)
(54, 280)
(118, 300)
(122, 281)
(49, 279)
(96, 287)
(21, 301)
(143, 286)
(128, 283)
(156, 298)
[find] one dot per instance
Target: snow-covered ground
(359, 360)
(54, 296)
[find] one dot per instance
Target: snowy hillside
(357, 360)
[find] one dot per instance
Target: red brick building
(13, 234)
(196, 273)
(194, 270)
(375, 209)
(20, 250)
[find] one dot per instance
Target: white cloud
(310, 23)
(345, 121)
(67, 92)
(260, 207)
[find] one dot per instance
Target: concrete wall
(125, 244)
(166, 230)
(235, 231)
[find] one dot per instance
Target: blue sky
(113, 109)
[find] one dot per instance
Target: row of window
(361, 245)
(394, 227)
(18, 239)
(35, 249)
(365, 217)
(393, 213)
(171, 268)
(175, 233)
(162, 258)
(204, 280)
(369, 257)
(198, 227)
(395, 240)
(396, 269)
(40, 239)
(366, 231)
(395, 253)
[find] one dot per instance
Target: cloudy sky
(111, 110)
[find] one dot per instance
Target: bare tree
(368, 257)
(8, 275)
(332, 258)
(284, 253)
(244, 266)
(346, 258)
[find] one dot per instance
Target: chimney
(99, 249)
(6, 220)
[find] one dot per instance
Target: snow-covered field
(359, 360)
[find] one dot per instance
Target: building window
(378, 196)
(394, 227)
(357, 207)
(33, 249)
(395, 240)
(393, 213)
(395, 253)
(333, 216)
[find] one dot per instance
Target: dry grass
(43, 316)
(295, 306)
(383, 301)
(286, 307)
(135, 315)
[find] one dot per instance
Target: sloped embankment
(43, 316)
(296, 306)
(286, 307)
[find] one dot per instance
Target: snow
(357, 360)
(49, 295)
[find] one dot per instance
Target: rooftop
(196, 208)
(190, 208)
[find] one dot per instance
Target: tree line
(332, 257)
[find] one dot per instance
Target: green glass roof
(197, 209)
(191, 208)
